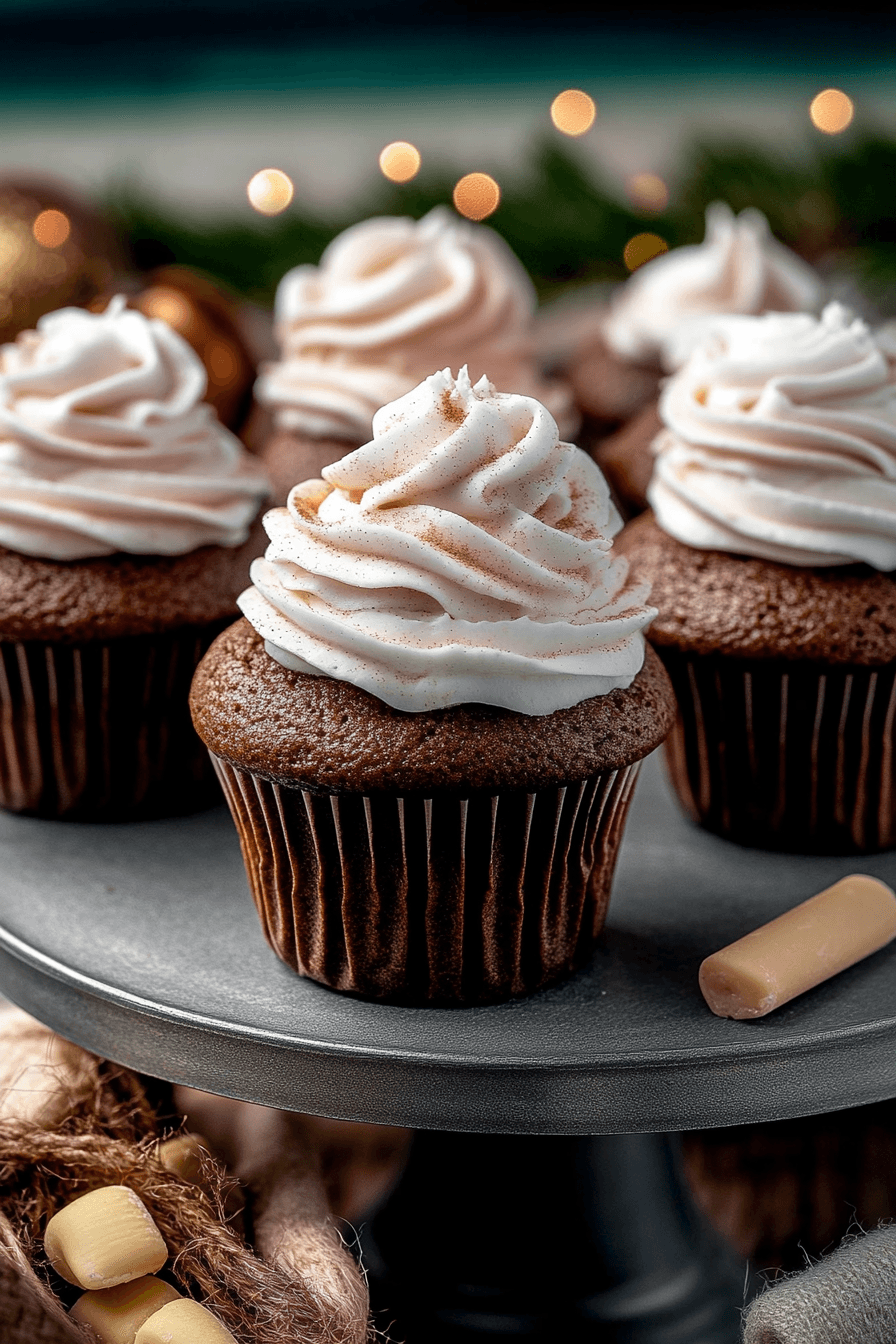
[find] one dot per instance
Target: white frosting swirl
(665, 309)
(781, 442)
(391, 300)
(106, 444)
(463, 555)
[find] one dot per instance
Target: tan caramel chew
(183, 1322)
(800, 949)
(114, 1315)
(106, 1237)
(184, 1155)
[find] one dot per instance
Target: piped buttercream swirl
(463, 555)
(106, 444)
(780, 442)
(666, 308)
(391, 300)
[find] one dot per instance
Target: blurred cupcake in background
(659, 316)
(125, 518)
(391, 300)
(771, 557)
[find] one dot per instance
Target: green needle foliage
(565, 223)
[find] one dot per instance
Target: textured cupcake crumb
(716, 602)
(119, 595)
(324, 734)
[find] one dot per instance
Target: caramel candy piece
(114, 1315)
(104, 1238)
(183, 1322)
(800, 949)
(183, 1156)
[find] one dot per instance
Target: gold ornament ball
(56, 250)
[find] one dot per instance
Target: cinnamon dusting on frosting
(475, 566)
(451, 409)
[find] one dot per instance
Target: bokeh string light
(51, 228)
(477, 196)
(648, 193)
(573, 112)
(169, 307)
(831, 111)
(400, 161)
(643, 247)
(270, 191)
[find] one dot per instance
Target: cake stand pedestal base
(548, 1240)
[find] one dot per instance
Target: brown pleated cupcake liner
(787, 756)
(454, 900)
(101, 730)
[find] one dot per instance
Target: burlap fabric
(847, 1298)
(70, 1123)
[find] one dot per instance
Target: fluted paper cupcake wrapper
(431, 900)
(101, 730)
(786, 756)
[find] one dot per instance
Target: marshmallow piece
(183, 1322)
(103, 1238)
(183, 1156)
(800, 949)
(114, 1315)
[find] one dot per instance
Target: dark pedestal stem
(550, 1241)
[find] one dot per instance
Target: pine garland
(564, 221)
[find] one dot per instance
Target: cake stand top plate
(141, 943)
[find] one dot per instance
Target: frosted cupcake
(661, 314)
(429, 725)
(772, 554)
(125, 513)
(391, 300)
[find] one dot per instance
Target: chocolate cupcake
(125, 513)
(391, 300)
(430, 724)
(661, 313)
(771, 557)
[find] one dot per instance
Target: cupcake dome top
(662, 312)
(780, 442)
(463, 555)
(107, 446)
(391, 300)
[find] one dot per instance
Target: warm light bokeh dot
(400, 161)
(168, 307)
(831, 111)
(643, 247)
(477, 196)
(573, 112)
(270, 191)
(51, 228)
(648, 192)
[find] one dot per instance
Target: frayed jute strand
(278, 1163)
(41, 1171)
(29, 1312)
(70, 1122)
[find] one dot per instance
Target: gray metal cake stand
(140, 942)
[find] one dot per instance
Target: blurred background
(163, 113)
